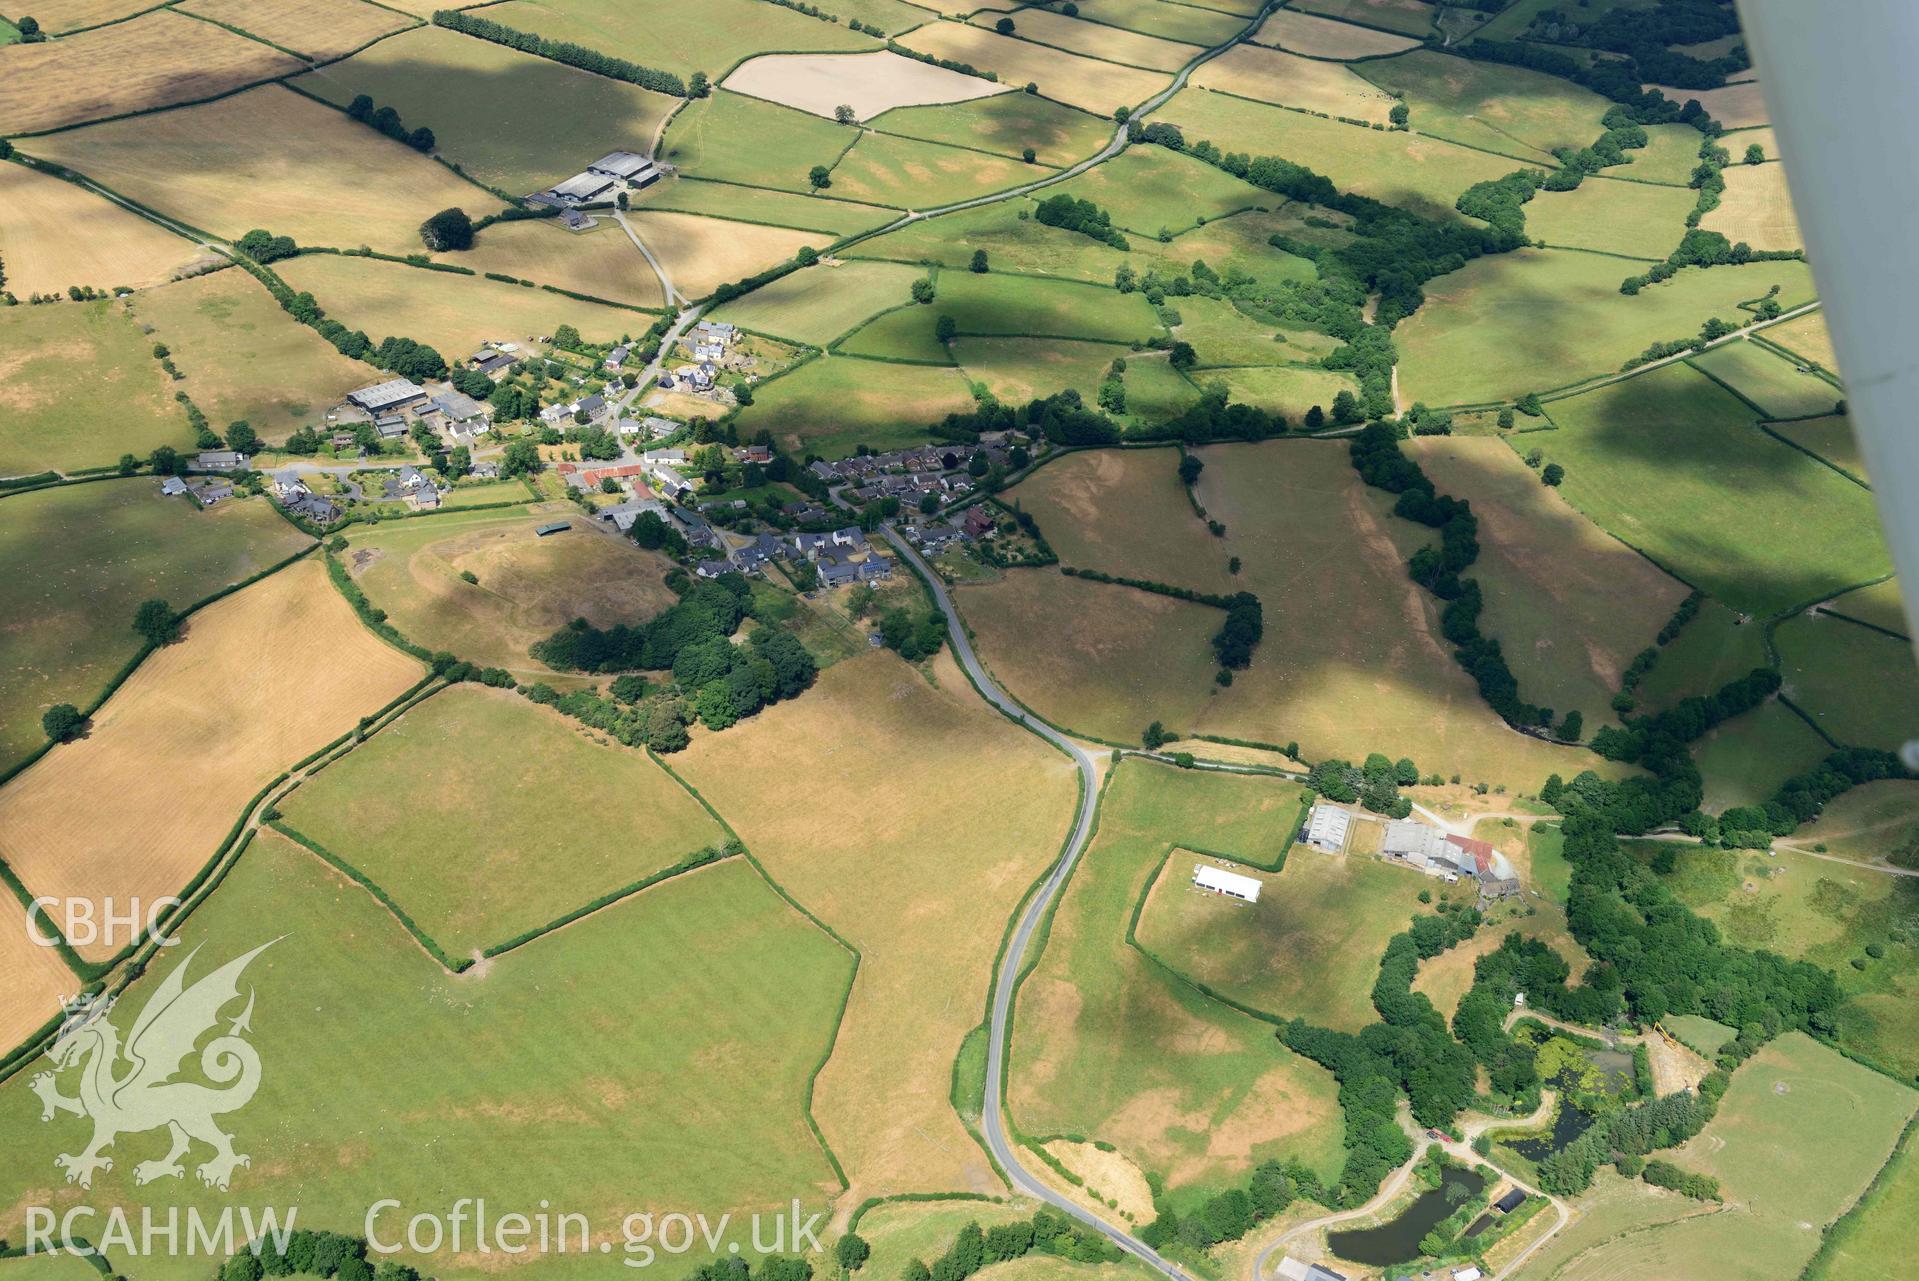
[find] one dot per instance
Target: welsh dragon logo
(129, 1089)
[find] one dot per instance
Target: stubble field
(54, 234)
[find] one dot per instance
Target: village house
(616, 359)
(978, 522)
(287, 483)
(223, 460)
(209, 492)
(314, 508)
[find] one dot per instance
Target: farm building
(1327, 827)
(1291, 1269)
(173, 487)
(210, 492)
(489, 361)
(1420, 844)
(626, 166)
(1514, 1198)
(387, 397)
(459, 407)
(220, 460)
(1230, 884)
(581, 189)
(556, 527)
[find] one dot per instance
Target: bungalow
(387, 397)
(616, 359)
(623, 516)
(487, 471)
(937, 538)
(173, 486)
(659, 428)
(210, 492)
(823, 470)
(756, 553)
(220, 460)
(669, 456)
(287, 483)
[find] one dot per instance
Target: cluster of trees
(1688, 719)
(1625, 1137)
(1646, 36)
(1701, 248)
(1044, 1233)
(951, 64)
(1230, 1215)
(774, 1267)
(1799, 799)
(1664, 1174)
(409, 359)
(263, 246)
(310, 1253)
(1240, 634)
(448, 230)
(388, 122)
(1062, 418)
(573, 55)
(705, 611)
(1500, 201)
(1083, 216)
(1375, 784)
(1615, 78)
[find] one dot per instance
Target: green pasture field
(815, 305)
(714, 38)
(1340, 911)
(527, 819)
(1006, 123)
(356, 1028)
(1011, 243)
(1108, 1045)
(1714, 648)
(1425, 175)
(1858, 685)
(1222, 334)
(1671, 464)
(96, 551)
(1166, 18)
(1873, 1242)
(1408, 17)
(891, 16)
(1155, 391)
(510, 119)
(1670, 155)
(1745, 760)
(1769, 381)
(1523, 114)
(1545, 850)
(901, 1231)
(1868, 823)
(1017, 370)
(1878, 604)
(906, 173)
(78, 388)
(1237, 242)
(8, 32)
(757, 204)
(907, 333)
(994, 303)
(1604, 214)
(1538, 319)
(1282, 389)
(62, 1265)
(1699, 1033)
(1150, 189)
(1833, 439)
(733, 138)
(833, 405)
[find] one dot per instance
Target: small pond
(1568, 1125)
(1398, 1241)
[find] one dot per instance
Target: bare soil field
(1316, 37)
(1756, 208)
(914, 761)
(1096, 86)
(1095, 39)
(155, 60)
(529, 586)
(54, 234)
(700, 253)
(1272, 76)
(34, 978)
(600, 261)
(260, 159)
(136, 808)
(870, 83)
(1736, 106)
(314, 29)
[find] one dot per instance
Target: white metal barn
(1231, 884)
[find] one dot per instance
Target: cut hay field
(1536, 319)
(1168, 19)
(1282, 389)
(714, 38)
(700, 254)
(58, 16)
(1858, 685)
(251, 160)
(1504, 109)
(1745, 760)
(516, 121)
(183, 745)
(1806, 337)
(1756, 208)
(732, 138)
(36, 982)
(51, 418)
(97, 551)
(1769, 380)
(915, 761)
(815, 305)
(1150, 189)
(1735, 106)
(452, 313)
(156, 60)
(1087, 83)
(869, 83)
(1268, 75)
(1671, 463)
(1095, 39)
(1309, 948)
(314, 29)
(54, 234)
(529, 586)
(356, 1029)
(1716, 647)
(1570, 605)
(833, 405)
(1868, 823)
(601, 261)
(1424, 175)
(1017, 370)
(906, 173)
(243, 357)
(1108, 1045)
(758, 204)
(1007, 124)
(530, 816)
(1317, 37)
(1636, 219)
(1409, 17)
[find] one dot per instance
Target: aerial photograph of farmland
(900, 640)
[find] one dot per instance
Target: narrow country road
(659, 269)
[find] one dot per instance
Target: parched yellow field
(136, 808)
(870, 83)
(700, 253)
(1756, 208)
(315, 29)
(1737, 106)
(1096, 86)
(268, 158)
(243, 357)
(453, 313)
(54, 234)
(1318, 37)
(1272, 76)
(34, 978)
(152, 61)
(1413, 17)
(924, 905)
(1806, 337)
(57, 16)
(1095, 40)
(600, 261)
(529, 586)
(1075, 500)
